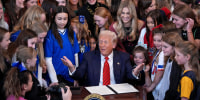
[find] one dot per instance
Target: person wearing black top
(37, 92)
(172, 93)
(184, 19)
(88, 11)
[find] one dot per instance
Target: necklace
(127, 30)
(90, 10)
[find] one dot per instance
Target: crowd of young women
(36, 34)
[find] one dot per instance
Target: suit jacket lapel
(97, 67)
(116, 67)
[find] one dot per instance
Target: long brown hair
(3, 53)
(10, 10)
(22, 39)
(157, 20)
(83, 31)
(142, 6)
(14, 81)
(171, 38)
(54, 28)
(187, 47)
(39, 28)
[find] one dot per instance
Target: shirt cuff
(135, 76)
(71, 73)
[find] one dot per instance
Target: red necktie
(106, 72)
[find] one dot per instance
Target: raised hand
(190, 24)
(68, 63)
(138, 68)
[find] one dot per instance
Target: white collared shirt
(62, 31)
(110, 61)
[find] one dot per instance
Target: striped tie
(106, 72)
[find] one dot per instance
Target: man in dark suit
(93, 63)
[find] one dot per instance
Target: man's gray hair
(109, 33)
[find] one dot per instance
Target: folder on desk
(112, 89)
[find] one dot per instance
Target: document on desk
(112, 89)
(123, 88)
(102, 90)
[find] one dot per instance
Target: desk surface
(141, 95)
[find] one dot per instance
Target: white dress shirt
(110, 62)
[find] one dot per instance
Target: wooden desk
(126, 96)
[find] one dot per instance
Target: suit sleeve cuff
(135, 76)
(71, 73)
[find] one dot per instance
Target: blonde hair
(187, 47)
(83, 31)
(40, 28)
(103, 12)
(31, 16)
(23, 53)
(120, 29)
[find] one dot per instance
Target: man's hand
(138, 68)
(68, 63)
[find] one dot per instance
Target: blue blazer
(91, 67)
